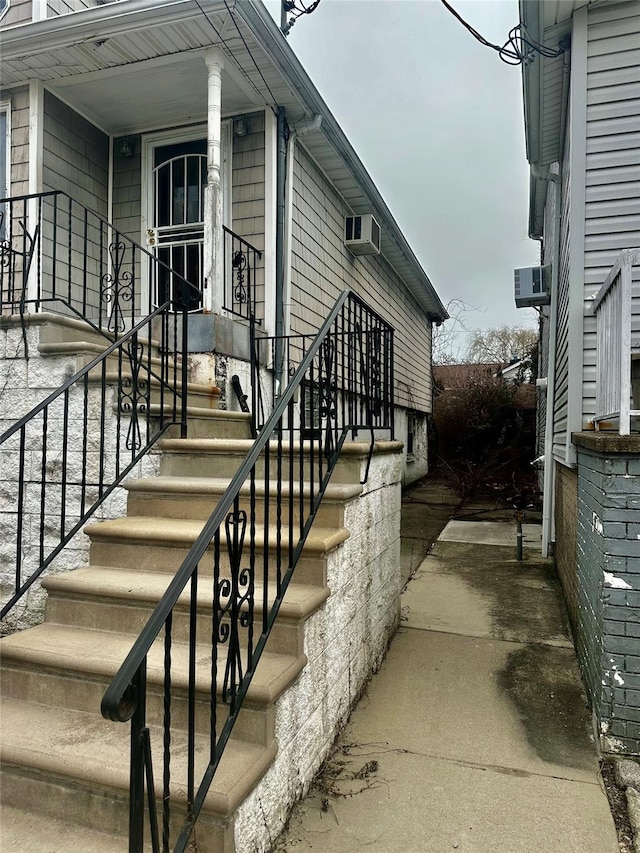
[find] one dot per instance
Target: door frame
(157, 139)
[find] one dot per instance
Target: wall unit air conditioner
(362, 235)
(532, 286)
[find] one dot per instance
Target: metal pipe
(548, 474)
(281, 165)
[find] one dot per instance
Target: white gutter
(549, 467)
(297, 131)
(271, 40)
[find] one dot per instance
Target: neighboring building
(170, 165)
(582, 122)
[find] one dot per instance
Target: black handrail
(297, 451)
(55, 251)
(62, 429)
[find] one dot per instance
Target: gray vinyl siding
(19, 12)
(75, 156)
(19, 117)
(612, 180)
(248, 194)
(63, 7)
(322, 268)
(561, 401)
(127, 204)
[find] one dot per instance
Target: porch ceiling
(137, 65)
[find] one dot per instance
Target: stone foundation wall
(608, 625)
(345, 643)
(24, 383)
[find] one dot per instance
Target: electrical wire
(274, 102)
(519, 48)
(231, 56)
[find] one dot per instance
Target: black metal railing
(57, 253)
(245, 557)
(67, 455)
(241, 294)
(63, 458)
(366, 383)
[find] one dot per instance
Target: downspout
(283, 294)
(281, 164)
(548, 476)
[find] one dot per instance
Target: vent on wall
(532, 286)
(362, 235)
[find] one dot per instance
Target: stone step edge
(200, 412)
(300, 602)
(168, 532)
(177, 485)
(242, 445)
(42, 318)
(70, 770)
(95, 668)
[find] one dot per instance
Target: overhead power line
(519, 48)
(232, 56)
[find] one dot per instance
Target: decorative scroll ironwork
(234, 606)
(239, 264)
(117, 287)
(240, 261)
(133, 393)
(328, 390)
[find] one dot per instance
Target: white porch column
(213, 234)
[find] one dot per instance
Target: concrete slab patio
(475, 735)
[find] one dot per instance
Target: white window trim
(4, 11)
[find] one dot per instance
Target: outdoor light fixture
(241, 127)
(126, 146)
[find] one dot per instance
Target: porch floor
(475, 735)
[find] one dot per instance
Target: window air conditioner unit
(362, 235)
(532, 286)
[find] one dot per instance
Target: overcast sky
(436, 118)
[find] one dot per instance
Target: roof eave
(268, 35)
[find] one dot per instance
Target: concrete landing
(475, 735)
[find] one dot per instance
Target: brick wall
(608, 624)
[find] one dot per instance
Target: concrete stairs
(65, 770)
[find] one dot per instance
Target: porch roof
(86, 58)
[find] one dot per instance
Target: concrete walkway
(475, 735)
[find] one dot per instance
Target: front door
(179, 181)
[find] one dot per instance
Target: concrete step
(197, 497)
(220, 457)
(60, 335)
(203, 423)
(69, 667)
(161, 544)
(105, 598)
(59, 761)
(28, 832)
